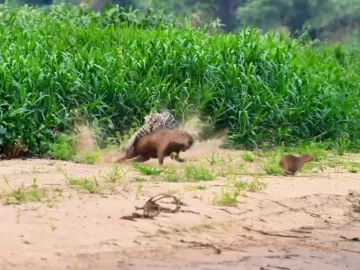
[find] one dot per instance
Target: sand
(302, 222)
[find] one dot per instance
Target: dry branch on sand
(152, 206)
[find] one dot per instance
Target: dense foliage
(113, 69)
(324, 19)
(334, 19)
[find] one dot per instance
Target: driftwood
(151, 209)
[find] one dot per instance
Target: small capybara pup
(291, 164)
(159, 144)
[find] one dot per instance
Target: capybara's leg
(141, 158)
(287, 173)
(128, 155)
(161, 157)
(177, 157)
(121, 159)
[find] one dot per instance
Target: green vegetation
(84, 183)
(146, 170)
(67, 64)
(228, 195)
(198, 173)
(333, 19)
(23, 194)
(248, 157)
(63, 148)
(191, 173)
(139, 179)
(116, 174)
(197, 187)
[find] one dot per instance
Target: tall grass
(113, 68)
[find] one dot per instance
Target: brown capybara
(291, 164)
(159, 144)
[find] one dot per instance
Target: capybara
(159, 144)
(291, 164)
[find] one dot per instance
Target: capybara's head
(185, 139)
(307, 158)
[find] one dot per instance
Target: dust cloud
(85, 140)
(199, 130)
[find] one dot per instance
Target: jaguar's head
(152, 120)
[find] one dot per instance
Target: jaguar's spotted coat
(155, 121)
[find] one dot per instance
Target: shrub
(113, 68)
